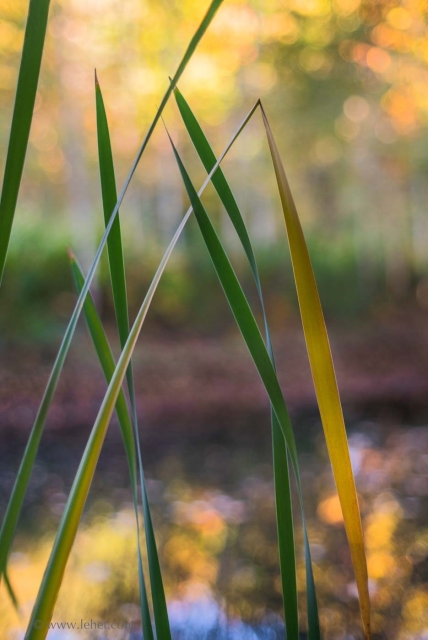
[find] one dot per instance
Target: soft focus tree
(345, 80)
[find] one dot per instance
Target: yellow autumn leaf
(324, 378)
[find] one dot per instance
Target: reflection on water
(213, 509)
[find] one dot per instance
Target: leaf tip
(71, 255)
(175, 88)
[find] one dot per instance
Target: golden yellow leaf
(324, 378)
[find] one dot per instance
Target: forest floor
(380, 365)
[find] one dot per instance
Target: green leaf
(254, 341)
(284, 524)
(324, 378)
(52, 579)
(53, 576)
(109, 196)
(11, 592)
(28, 78)
(220, 184)
(284, 514)
(48, 592)
(118, 281)
(108, 366)
(13, 510)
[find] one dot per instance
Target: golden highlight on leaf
(324, 378)
(52, 579)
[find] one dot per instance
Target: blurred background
(345, 86)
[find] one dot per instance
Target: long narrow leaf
(53, 576)
(28, 78)
(284, 525)
(15, 503)
(118, 282)
(109, 196)
(284, 513)
(108, 365)
(48, 592)
(11, 592)
(220, 183)
(254, 341)
(324, 378)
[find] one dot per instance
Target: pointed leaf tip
(28, 78)
(324, 379)
(167, 132)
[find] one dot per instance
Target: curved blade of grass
(108, 366)
(284, 513)
(53, 576)
(48, 592)
(28, 78)
(254, 341)
(324, 378)
(13, 510)
(118, 282)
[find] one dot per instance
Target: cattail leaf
(284, 514)
(13, 509)
(254, 341)
(324, 378)
(11, 592)
(108, 366)
(109, 197)
(28, 79)
(118, 282)
(52, 579)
